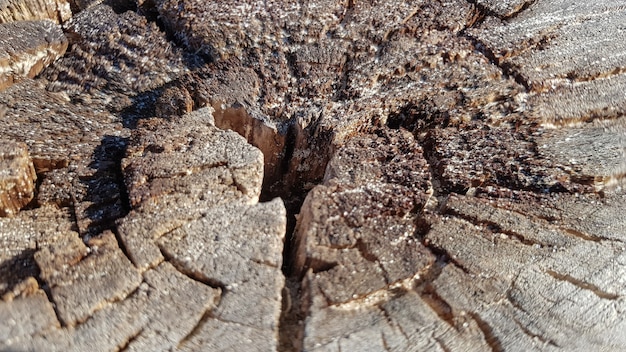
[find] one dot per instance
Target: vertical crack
(442, 345)
(292, 317)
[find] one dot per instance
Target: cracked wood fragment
(17, 177)
(168, 156)
(195, 192)
(160, 312)
(28, 47)
(20, 237)
(458, 154)
(373, 185)
(566, 52)
(175, 171)
(82, 282)
(523, 293)
(32, 10)
(27, 314)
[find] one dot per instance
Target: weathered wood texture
(202, 206)
(565, 51)
(502, 9)
(32, 10)
(115, 58)
(194, 190)
(463, 160)
(27, 47)
(17, 177)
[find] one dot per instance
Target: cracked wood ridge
(187, 175)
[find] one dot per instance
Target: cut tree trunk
(451, 175)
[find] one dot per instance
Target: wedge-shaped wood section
(521, 278)
(195, 191)
(570, 53)
(17, 177)
(31, 10)
(206, 256)
(27, 47)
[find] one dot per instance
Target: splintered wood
(17, 177)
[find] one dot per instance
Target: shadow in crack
(17, 269)
(105, 200)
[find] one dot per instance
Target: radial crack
(586, 236)
(532, 335)
(583, 285)
(196, 276)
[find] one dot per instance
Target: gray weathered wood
(459, 164)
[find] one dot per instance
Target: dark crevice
(419, 117)
(586, 236)
(583, 285)
(121, 6)
(575, 77)
(317, 266)
(390, 320)
(496, 228)
(487, 12)
(438, 192)
(105, 189)
(483, 10)
(511, 298)
(120, 243)
(525, 6)
(427, 291)
(261, 262)
(46, 288)
(439, 305)
(443, 258)
(15, 270)
(506, 69)
(289, 148)
(292, 317)
(385, 343)
(364, 251)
